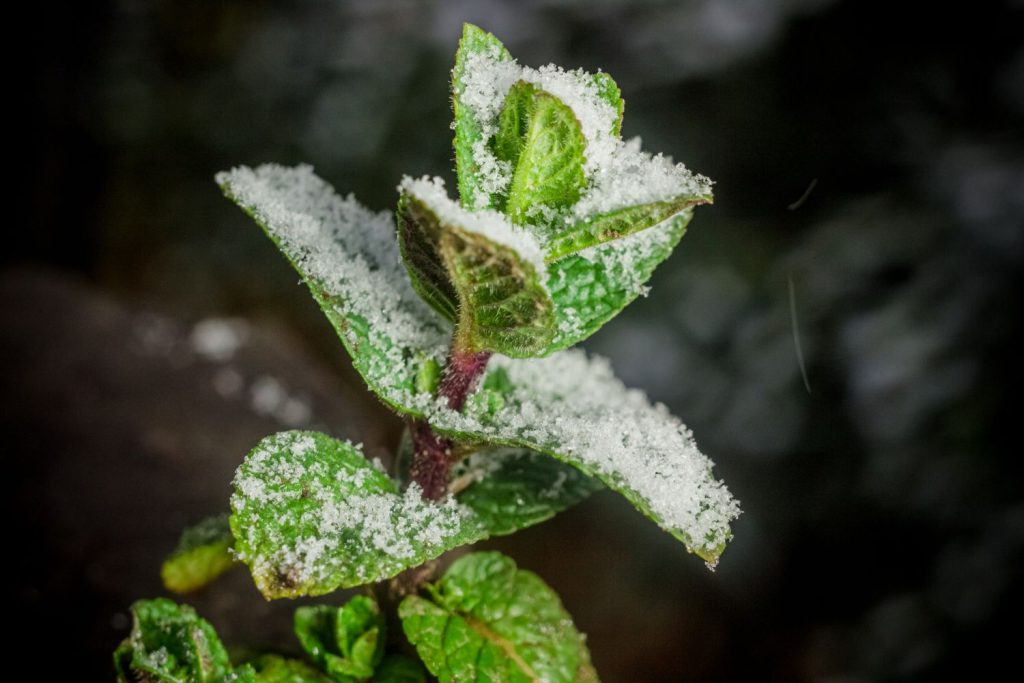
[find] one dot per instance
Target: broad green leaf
(615, 225)
(549, 164)
(489, 620)
(399, 669)
(203, 554)
(501, 302)
(277, 669)
(310, 514)
(170, 643)
(567, 405)
(476, 185)
(347, 642)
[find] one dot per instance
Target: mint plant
(459, 315)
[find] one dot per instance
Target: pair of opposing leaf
(170, 643)
(500, 298)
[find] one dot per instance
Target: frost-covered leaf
(347, 642)
(170, 643)
(310, 514)
(493, 270)
(489, 620)
(399, 669)
(480, 173)
(567, 405)
(277, 669)
(614, 225)
(547, 159)
(203, 554)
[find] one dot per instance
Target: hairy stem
(461, 375)
(433, 454)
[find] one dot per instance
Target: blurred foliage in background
(883, 534)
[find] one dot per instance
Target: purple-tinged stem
(433, 454)
(461, 375)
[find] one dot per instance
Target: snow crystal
(493, 225)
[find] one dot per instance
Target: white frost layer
(493, 225)
(351, 253)
(618, 173)
(572, 404)
(566, 403)
(630, 176)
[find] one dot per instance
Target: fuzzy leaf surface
(549, 163)
(493, 290)
(487, 619)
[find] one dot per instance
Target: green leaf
(203, 554)
(170, 643)
(609, 91)
(277, 669)
(347, 641)
(399, 669)
(615, 224)
(591, 288)
(489, 620)
(501, 302)
(513, 122)
(512, 489)
(549, 163)
(567, 405)
(310, 514)
(476, 188)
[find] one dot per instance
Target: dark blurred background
(151, 334)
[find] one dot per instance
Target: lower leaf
(489, 620)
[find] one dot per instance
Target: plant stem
(433, 454)
(461, 374)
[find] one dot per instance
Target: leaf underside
(501, 304)
(566, 405)
(310, 514)
(489, 620)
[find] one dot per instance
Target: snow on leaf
(310, 514)
(566, 405)
(489, 620)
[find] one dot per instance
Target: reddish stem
(432, 453)
(461, 374)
